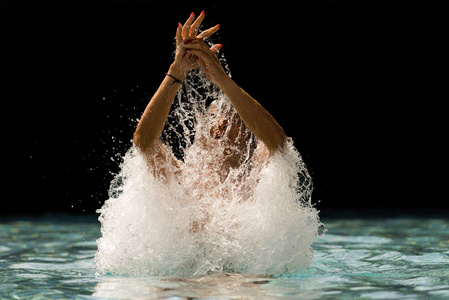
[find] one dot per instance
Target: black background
(78, 75)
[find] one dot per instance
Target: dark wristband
(175, 80)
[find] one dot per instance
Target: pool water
(372, 258)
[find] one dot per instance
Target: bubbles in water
(221, 204)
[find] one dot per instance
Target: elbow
(137, 140)
(277, 142)
(143, 142)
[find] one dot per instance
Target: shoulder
(161, 160)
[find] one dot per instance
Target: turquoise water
(406, 258)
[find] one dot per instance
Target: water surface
(368, 258)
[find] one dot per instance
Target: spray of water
(200, 218)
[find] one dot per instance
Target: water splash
(201, 217)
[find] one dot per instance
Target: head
(221, 130)
(225, 125)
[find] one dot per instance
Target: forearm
(258, 120)
(155, 115)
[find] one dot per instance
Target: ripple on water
(398, 268)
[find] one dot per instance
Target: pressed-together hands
(193, 52)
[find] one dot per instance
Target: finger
(216, 48)
(178, 35)
(196, 44)
(196, 25)
(207, 58)
(186, 27)
(207, 33)
(201, 63)
(193, 60)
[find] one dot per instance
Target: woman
(226, 206)
(192, 52)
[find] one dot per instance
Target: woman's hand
(185, 35)
(208, 61)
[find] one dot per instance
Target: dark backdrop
(78, 76)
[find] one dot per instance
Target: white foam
(255, 219)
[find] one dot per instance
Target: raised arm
(259, 121)
(256, 117)
(155, 115)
